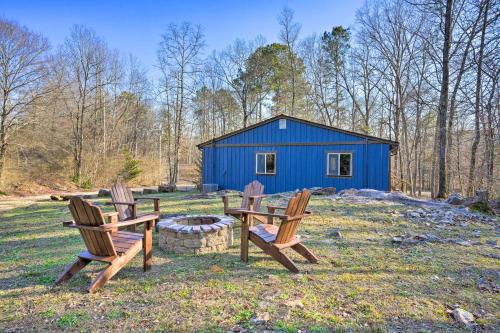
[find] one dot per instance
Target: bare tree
(178, 57)
(23, 57)
(477, 104)
(83, 59)
(232, 67)
(289, 35)
(443, 101)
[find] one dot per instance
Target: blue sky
(136, 26)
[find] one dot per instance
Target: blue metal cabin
(286, 153)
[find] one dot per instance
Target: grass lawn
(363, 282)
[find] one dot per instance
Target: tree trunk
(456, 87)
(490, 138)
(443, 103)
(477, 106)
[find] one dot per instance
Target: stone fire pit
(195, 233)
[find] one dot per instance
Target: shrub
(130, 169)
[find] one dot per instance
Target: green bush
(130, 169)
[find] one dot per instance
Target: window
(339, 164)
(282, 124)
(265, 163)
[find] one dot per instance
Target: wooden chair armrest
(156, 203)
(123, 203)
(251, 212)
(257, 196)
(298, 217)
(138, 220)
(276, 207)
(272, 210)
(101, 228)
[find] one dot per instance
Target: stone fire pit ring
(196, 234)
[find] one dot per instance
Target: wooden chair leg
(72, 269)
(275, 253)
(305, 252)
(284, 260)
(244, 237)
(114, 267)
(147, 245)
(104, 276)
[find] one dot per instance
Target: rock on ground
(56, 197)
(335, 233)
(163, 188)
(103, 192)
(455, 199)
(464, 317)
(323, 190)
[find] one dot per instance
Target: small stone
(458, 241)
(455, 199)
(432, 238)
(55, 197)
(487, 284)
(164, 188)
(323, 191)
(335, 233)
(397, 239)
(464, 317)
(261, 318)
(414, 215)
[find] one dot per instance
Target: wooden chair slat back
(296, 206)
(254, 188)
(121, 193)
(98, 243)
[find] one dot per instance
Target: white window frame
(265, 163)
(282, 124)
(338, 164)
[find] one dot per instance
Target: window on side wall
(339, 164)
(265, 163)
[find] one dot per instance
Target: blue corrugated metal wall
(299, 166)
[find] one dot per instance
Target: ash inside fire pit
(195, 234)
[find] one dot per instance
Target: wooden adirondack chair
(126, 205)
(254, 192)
(105, 243)
(273, 239)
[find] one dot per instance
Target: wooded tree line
(424, 73)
